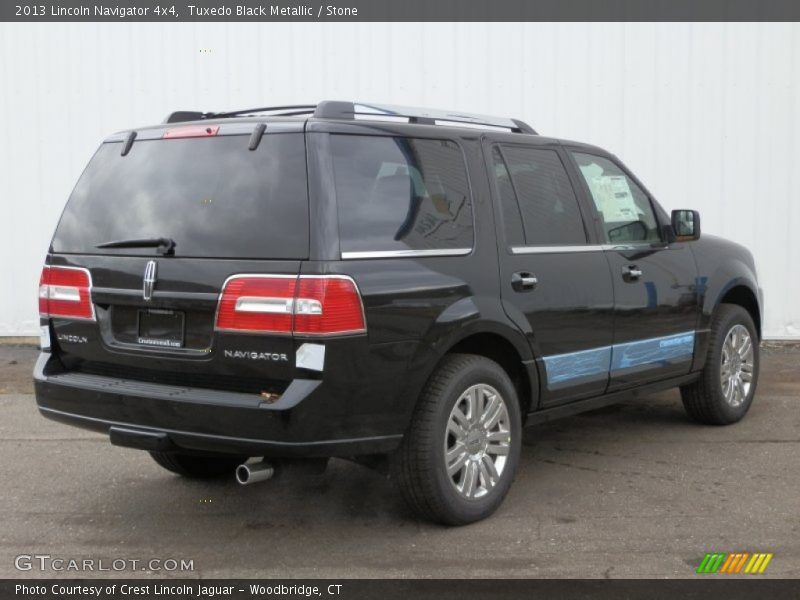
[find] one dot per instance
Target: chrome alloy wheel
(736, 368)
(478, 441)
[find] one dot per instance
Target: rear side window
(512, 215)
(401, 194)
(212, 196)
(537, 199)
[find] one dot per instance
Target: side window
(401, 194)
(512, 217)
(624, 208)
(539, 204)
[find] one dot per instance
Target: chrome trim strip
(405, 253)
(555, 249)
(634, 246)
(582, 248)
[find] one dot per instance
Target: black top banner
(399, 10)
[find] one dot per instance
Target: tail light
(257, 304)
(305, 305)
(66, 292)
(326, 305)
(190, 132)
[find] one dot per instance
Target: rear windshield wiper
(165, 246)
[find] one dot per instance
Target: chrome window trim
(555, 249)
(406, 253)
(633, 246)
(582, 248)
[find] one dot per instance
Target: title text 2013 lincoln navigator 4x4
(402, 287)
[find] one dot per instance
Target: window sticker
(612, 195)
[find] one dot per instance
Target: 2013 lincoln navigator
(402, 287)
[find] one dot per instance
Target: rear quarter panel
(416, 308)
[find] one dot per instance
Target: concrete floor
(634, 490)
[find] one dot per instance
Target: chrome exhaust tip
(254, 472)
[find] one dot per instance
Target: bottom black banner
(390, 589)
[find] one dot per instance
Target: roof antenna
(128, 144)
(255, 137)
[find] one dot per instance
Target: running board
(567, 410)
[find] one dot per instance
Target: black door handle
(522, 281)
(631, 273)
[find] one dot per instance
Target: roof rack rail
(336, 109)
(276, 111)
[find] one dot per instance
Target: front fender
(722, 266)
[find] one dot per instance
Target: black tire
(704, 399)
(419, 464)
(198, 466)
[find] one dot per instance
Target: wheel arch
(726, 274)
(724, 279)
(497, 341)
(495, 347)
(742, 295)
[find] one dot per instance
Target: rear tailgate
(171, 337)
(228, 209)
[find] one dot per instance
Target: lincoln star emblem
(149, 280)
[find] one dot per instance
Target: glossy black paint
(417, 309)
(661, 302)
(726, 271)
(571, 307)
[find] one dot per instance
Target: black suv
(403, 287)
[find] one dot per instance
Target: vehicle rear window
(212, 196)
(401, 194)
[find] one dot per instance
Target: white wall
(708, 115)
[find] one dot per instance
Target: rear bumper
(305, 421)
